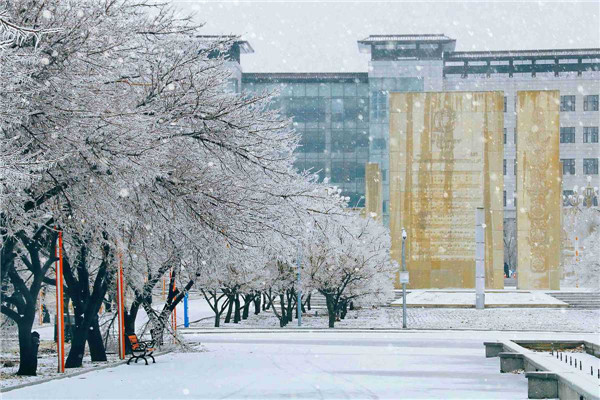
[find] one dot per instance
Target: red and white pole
(60, 316)
(174, 313)
(121, 308)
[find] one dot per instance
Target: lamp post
(589, 193)
(299, 292)
(403, 278)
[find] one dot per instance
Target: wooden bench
(140, 349)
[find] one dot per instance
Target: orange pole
(121, 308)
(163, 291)
(174, 313)
(60, 316)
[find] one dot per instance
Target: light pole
(299, 292)
(404, 235)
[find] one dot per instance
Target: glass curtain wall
(332, 116)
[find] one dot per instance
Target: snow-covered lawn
(305, 365)
(466, 298)
(525, 319)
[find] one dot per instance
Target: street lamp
(589, 193)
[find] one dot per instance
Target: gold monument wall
(539, 197)
(446, 152)
(373, 191)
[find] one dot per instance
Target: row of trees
(118, 130)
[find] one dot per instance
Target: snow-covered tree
(347, 259)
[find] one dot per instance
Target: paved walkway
(326, 364)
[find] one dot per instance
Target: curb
(70, 375)
(209, 331)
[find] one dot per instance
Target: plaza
(353, 364)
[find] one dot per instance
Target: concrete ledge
(511, 362)
(592, 348)
(542, 385)
(546, 377)
(492, 349)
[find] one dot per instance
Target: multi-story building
(343, 117)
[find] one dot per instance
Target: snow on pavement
(305, 365)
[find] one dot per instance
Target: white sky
(303, 36)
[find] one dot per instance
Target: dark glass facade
(331, 113)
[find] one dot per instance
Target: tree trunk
(308, 301)
(80, 335)
(344, 309)
(97, 350)
(283, 321)
(27, 350)
(257, 298)
(290, 298)
(331, 309)
(247, 301)
(217, 320)
(229, 309)
(236, 315)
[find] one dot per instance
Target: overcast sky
(303, 36)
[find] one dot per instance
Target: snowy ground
(466, 298)
(47, 360)
(323, 364)
(525, 319)
(202, 318)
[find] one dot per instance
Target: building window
(590, 134)
(306, 109)
(590, 166)
(567, 194)
(503, 167)
(590, 102)
(337, 110)
(504, 138)
(312, 141)
(504, 103)
(567, 134)
(515, 135)
(349, 140)
(347, 171)
(384, 175)
(515, 166)
(385, 206)
(504, 196)
(379, 105)
(379, 144)
(567, 103)
(568, 166)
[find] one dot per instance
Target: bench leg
(152, 357)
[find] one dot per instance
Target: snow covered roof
(306, 76)
(523, 53)
(428, 37)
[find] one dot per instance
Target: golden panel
(446, 152)
(538, 190)
(373, 191)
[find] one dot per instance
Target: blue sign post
(186, 319)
